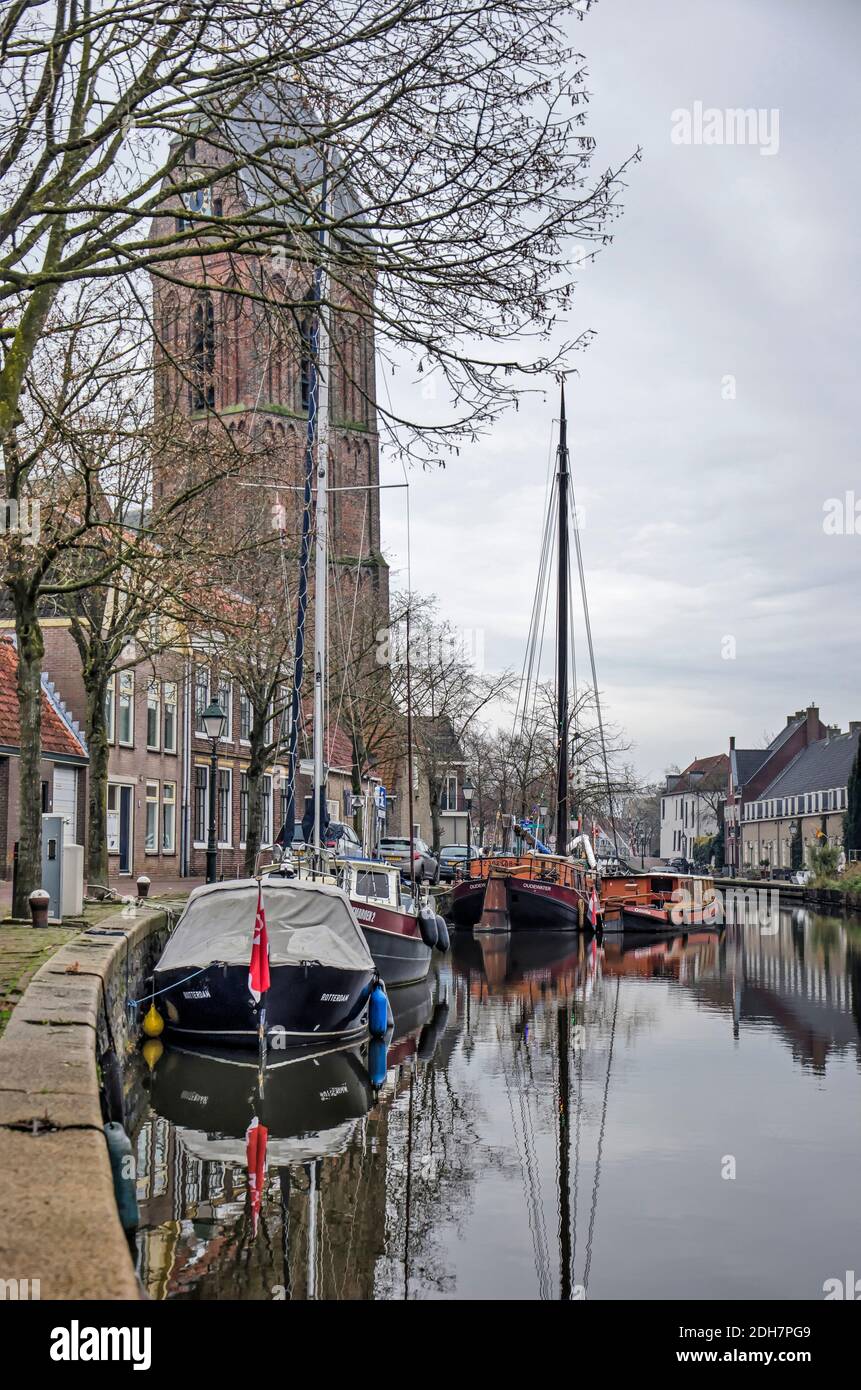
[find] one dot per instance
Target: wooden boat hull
(395, 941)
(306, 1003)
(467, 899)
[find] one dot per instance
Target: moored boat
(321, 970)
(399, 934)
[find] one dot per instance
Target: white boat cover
(304, 921)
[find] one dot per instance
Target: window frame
(153, 683)
(168, 801)
(126, 677)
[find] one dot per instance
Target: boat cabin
(369, 881)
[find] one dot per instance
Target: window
(224, 695)
(243, 807)
(448, 799)
(202, 384)
(168, 818)
(225, 827)
(127, 708)
(244, 717)
(266, 827)
(153, 715)
(201, 697)
(842, 798)
(151, 834)
(170, 698)
(201, 784)
(111, 708)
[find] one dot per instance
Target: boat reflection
(232, 1162)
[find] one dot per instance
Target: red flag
(258, 972)
(594, 907)
(256, 1139)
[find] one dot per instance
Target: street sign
(380, 798)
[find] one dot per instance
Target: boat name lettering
(333, 1091)
(196, 994)
(334, 998)
(364, 914)
(195, 1096)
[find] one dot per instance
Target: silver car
(395, 849)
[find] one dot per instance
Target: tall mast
(321, 567)
(562, 811)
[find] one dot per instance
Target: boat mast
(562, 812)
(321, 566)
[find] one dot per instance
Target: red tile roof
(57, 737)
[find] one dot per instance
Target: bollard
(39, 900)
(143, 886)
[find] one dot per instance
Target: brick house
(751, 770)
(64, 760)
(808, 798)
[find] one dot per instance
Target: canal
(638, 1119)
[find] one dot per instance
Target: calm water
(556, 1120)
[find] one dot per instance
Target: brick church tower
(241, 366)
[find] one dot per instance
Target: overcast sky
(704, 517)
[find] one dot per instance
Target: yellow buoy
(153, 1023)
(152, 1050)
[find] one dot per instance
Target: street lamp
(468, 794)
(542, 819)
(214, 722)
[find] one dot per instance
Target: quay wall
(59, 1223)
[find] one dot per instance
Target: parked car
(452, 858)
(395, 849)
(341, 840)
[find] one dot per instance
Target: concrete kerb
(58, 1215)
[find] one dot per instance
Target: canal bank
(58, 1214)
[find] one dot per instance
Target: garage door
(66, 800)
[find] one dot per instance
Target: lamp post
(468, 794)
(214, 722)
(542, 820)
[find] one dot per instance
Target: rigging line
(524, 1158)
(577, 1132)
(536, 635)
(593, 1212)
(588, 624)
(538, 578)
(526, 1092)
(538, 603)
(346, 653)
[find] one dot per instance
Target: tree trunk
(95, 683)
(436, 826)
(31, 649)
(255, 772)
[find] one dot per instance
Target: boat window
(371, 883)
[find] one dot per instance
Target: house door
(66, 801)
(120, 825)
(125, 830)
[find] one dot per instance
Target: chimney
(732, 743)
(854, 725)
(812, 730)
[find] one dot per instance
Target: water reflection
(553, 1123)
